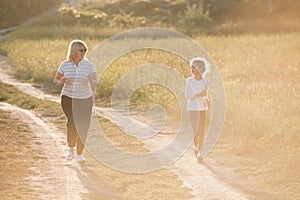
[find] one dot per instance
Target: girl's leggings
(198, 124)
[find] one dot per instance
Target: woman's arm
(93, 80)
(60, 79)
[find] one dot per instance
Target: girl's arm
(188, 91)
(205, 92)
(201, 94)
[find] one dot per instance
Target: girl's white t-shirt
(194, 86)
(79, 76)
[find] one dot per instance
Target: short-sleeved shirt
(79, 86)
(194, 86)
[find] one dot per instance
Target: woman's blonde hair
(73, 49)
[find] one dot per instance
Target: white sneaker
(199, 155)
(80, 158)
(200, 158)
(70, 156)
(196, 151)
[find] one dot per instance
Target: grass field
(261, 79)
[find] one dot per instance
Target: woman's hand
(60, 79)
(65, 80)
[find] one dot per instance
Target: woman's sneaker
(70, 156)
(80, 158)
(200, 158)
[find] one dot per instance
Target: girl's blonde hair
(203, 61)
(73, 49)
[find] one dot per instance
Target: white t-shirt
(79, 86)
(192, 87)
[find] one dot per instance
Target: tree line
(195, 12)
(13, 12)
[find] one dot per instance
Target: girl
(197, 96)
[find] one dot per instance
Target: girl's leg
(200, 130)
(194, 117)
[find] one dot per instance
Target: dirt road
(73, 180)
(59, 175)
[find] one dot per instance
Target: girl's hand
(202, 94)
(208, 103)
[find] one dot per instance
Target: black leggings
(78, 113)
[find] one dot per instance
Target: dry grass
(16, 157)
(261, 138)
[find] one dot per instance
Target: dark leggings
(78, 113)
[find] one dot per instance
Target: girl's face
(198, 67)
(194, 70)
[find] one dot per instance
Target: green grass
(13, 96)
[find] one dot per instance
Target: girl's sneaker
(80, 158)
(196, 151)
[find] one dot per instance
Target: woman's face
(81, 52)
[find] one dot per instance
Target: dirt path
(56, 178)
(6, 77)
(57, 175)
(201, 178)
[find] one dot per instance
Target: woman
(79, 79)
(197, 96)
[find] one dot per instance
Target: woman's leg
(82, 110)
(66, 103)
